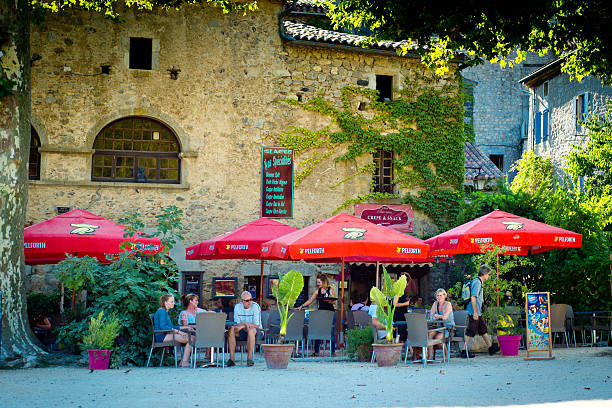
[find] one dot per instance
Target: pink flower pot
(509, 345)
(99, 359)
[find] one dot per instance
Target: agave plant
(289, 287)
(384, 300)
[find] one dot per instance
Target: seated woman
(161, 321)
(190, 303)
(42, 329)
(360, 302)
(442, 311)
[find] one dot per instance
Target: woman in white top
(442, 311)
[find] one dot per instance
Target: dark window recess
(141, 52)
(498, 161)
(136, 149)
(384, 86)
(34, 160)
(383, 175)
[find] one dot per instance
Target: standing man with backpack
(476, 324)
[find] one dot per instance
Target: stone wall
(501, 105)
(221, 108)
(564, 134)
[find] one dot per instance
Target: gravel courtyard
(576, 377)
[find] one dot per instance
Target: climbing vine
(424, 127)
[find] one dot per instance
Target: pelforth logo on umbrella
(565, 239)
(238, 247)
(408, 250)
(354, 233)
(312, 251)
(83, 229)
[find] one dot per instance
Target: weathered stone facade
(221, 109)
(501, 107)
(561, 101)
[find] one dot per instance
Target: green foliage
(359, 343)
(577, 31)
(43, 303)
(534, 175)
(501, 318)
(102, 332)
(75, 272)
(128, 287)
(289, 287)
(385, 307)
(423, 126)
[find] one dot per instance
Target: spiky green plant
(289, 287)
(385, 307)
(102, 332)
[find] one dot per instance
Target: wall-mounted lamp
(479, 180)
(174, 73)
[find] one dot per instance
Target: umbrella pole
(497, 283)
(377, 273)
(261, 284)
(342, 296)
(61, 305)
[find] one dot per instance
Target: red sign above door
(397, 217)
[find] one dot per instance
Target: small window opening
(384, 86)
(141, 52)
(383, 174)
(545, 90)
(362, 106)
(299, 96)
(498, 161)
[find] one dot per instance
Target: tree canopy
(576, 30)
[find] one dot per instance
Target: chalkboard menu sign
(537, 311)
(276, 182)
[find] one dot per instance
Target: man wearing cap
(476, 324)
(247, 316)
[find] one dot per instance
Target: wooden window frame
(136, 154)
(383, 159)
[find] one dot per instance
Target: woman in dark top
(324, 290)
(401, 307)
(162, 321)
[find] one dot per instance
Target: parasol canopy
(516, 235)
(79, 233)
(243, 242)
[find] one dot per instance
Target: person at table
(360, 304)
(324, 290)
(190, 303)
(441, 311)
(381, 330)
(247, 315)
(162, 321)
(223, 305)
(401, 308)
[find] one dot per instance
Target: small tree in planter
(100, 339)
(387, 353)
(508, 332)
(289, 287)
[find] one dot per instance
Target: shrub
(102, 332)
(359, 343)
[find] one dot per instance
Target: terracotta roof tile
(301, 31)
(476, 159)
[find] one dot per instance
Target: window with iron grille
(34, 159)
(383, 175)
(136, 149)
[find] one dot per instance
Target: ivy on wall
(424, 127)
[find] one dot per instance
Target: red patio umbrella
(343, 236)
(243, 242)
(516, 235)
(79, 233)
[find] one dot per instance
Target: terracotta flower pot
(277, 355)
(387, 355)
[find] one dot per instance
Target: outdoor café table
(593, 314)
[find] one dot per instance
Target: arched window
(136, 149)
(34, 160)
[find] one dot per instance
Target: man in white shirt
(247, 315)
(380, 328)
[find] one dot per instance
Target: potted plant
(99, 341)
(387, 353)
(359, 343)
(508, 332)
(289, 287)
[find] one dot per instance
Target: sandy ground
(576, 377)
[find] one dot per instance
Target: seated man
(381, 330)
(247, 316)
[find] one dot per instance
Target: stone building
(173, 108)
(500, 109)
(556, 107)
